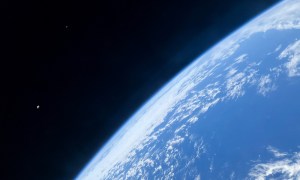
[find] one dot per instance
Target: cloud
(285, 166)
(265, 85)
(234, 85)
(276, 152)
(231, 72)
(278, 48)
(241, 58)
(292, 53)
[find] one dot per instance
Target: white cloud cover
(292, 52)
(285, 166)
(265, 85)
(276, 152)
(235, 85)
(278, 48)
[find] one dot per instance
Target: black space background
(90, 77)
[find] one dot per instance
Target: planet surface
(234, 113)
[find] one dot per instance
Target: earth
(234, 113)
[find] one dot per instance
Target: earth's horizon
(231, 114)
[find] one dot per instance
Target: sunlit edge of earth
(109, 143)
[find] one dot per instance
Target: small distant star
(38, 107)
(67, 27)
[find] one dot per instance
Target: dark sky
(90, 65)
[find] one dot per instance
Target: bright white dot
(38, 107)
